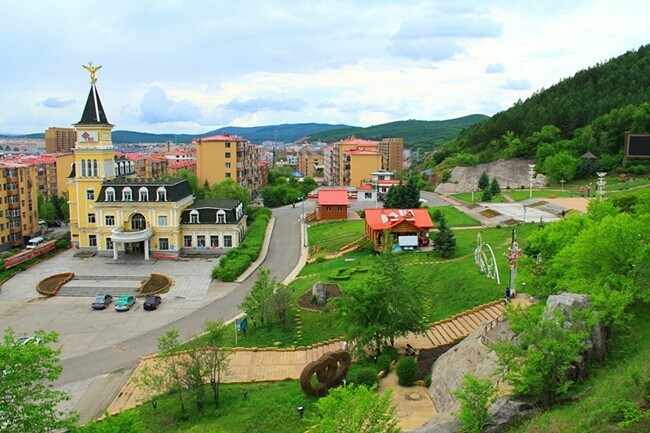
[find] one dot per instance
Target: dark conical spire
(94, 113)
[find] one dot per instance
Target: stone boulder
(319, 290)
(568, 303)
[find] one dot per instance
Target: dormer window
(194, 216)
(110, 194)
(144, 194)
(127, 194)
(161, 193)
(221, 217)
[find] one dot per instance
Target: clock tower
(94, 162)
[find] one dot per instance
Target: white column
(146, 249)
(114, 250)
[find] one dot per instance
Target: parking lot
(83, 329)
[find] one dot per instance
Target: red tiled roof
(358, 141)
(366, 187)
(381, 219)
(362, 152)
(333, 197)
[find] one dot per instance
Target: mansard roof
(177, 189)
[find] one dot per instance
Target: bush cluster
(237, 260)
(406, 370)
(362, 376)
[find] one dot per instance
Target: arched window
(194, 216)
(127, 194)
(83, 168)
(221, 217)
(95, 168)
(144, 194)
(161, 194)
(121, 168)
(90, 194)
(138, 222)
(110, 194)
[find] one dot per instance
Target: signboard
(637, 145)
(87, 136)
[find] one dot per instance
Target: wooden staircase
(455, 328)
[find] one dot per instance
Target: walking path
(274, 364)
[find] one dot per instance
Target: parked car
(124, 303)
(102, 301)
(29, 340)
(152, 302)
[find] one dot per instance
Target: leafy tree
(228, 188)
(355, 409)
(388, 306)
(475, 397)
(65, 207)
(216, 357)
(495, 187)
(266, 298)
(537, 366)
(168, 373)
(193, 180)
(28, 402)
(403, 196)
(445, 240)
(560, 166)
(483, 181)
(47, 212)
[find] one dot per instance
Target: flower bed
(50, 286)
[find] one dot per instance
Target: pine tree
(445, 240)
(495, 187)
(483, 181)
(487, 194)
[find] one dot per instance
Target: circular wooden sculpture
(330, 369)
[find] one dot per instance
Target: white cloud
(495, 68)
(189, 66)
(54, 102)
(156, 107)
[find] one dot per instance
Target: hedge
(237, 260)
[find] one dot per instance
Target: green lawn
(455, 218)
(454, 285)
(268, 407)
(520, 195)
(467, 197)
(330, 237)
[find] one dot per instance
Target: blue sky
(193, 66)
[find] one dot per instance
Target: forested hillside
(590, 111)
(423, 134)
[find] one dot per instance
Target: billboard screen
(637, 145)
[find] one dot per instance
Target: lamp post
(562, 183)
(154, 403)
(301, 411)
(601, 184)
(512, 255)
(531, 174)
(524, 214)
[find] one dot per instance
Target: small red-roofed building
(409, 227)
(332, 204)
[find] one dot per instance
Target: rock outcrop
(509, 172)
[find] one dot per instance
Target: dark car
(102, 301)
(152, 302)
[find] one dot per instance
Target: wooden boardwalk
(274, 364)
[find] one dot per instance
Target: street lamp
(562, 183)
(531, 174)
(301, 410)
(154, 403)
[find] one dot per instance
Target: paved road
(95, 378)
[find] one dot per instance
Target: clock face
(86, 136)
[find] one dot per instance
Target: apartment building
(59, 140)
(226, 156)
(310, 162)
(393, 150)
(18, 204)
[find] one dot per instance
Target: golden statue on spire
(92, 69)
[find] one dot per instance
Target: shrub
(363, 376)
(475, 396)
(406, 370)
(427, 380)
(445, 175)
(383, 362)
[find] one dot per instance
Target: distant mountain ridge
(425, 134)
